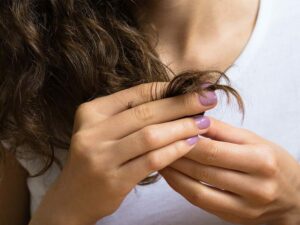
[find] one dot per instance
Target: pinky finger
(239, 220)
(139, 168)
(229, 218)
(209, 198)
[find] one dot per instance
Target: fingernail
(206, 85)
(193, 140)
(208, 98)
(202, 122)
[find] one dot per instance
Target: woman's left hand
(245, 179)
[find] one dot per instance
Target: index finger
(222, 131)
(243, 158)
(122, 100)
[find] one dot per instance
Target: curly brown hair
(57, 54)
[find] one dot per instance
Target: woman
(52, 53)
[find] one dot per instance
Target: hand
(250, 180)
(113, 148)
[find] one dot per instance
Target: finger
(224, 132)
(128, 98)
(157, 136)
(228, 217)
(154, 112)
(236, 182)
(139, 168)
(97, 110)
(206, 197)
(243, 158)
(239, 220)
(257, 217)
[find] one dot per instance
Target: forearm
(55, 209)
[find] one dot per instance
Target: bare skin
(104, 154)
(265, 189)
(202, 28)
(255, 180)
(203, 34)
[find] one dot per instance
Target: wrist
(47, 217)
(55, 210)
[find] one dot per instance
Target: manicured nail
(208, 98)
(206, 85)
(202, 122)
(193, 140)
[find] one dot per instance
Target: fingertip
(202, 122)
(209, 98)
(193, 140)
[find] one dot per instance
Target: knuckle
(189, 101)
(269, 166)
(203, 174)
(211, 153)
(144, 91)
(195, 198)
(81, 151)
(153, 162)
(82, 109)
(83, 114)
(268, 192)
(143, 113)
(251, 214)
(178, 149)
(189, 124)
(81, 143)
(84, 151)
(150, 136)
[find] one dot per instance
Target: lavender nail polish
(202, 122)
(206, 85)
(193, 140)
(208, 98)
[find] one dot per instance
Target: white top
(267, 74)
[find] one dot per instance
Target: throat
(215, 54)
(200, 34)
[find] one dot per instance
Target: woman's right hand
(118, 140)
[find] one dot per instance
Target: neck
(190, 30)
(184, 19)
